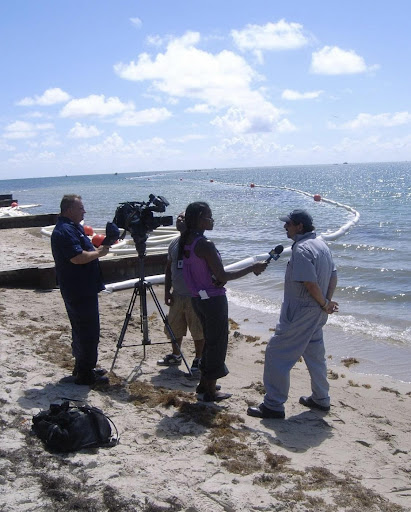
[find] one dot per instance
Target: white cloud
(286, 126)
(236, 120)
(114, 145)
(249, 145)
(46, 155)
(50, 140)
(272, 36)
(28, 157)
(6, 147)
(95, 105)
(221, 81)
(188, 138)
(185, 71)
(385, 120)
(289, 94)
(155, 40)
(44, 126)
(200, 108)
(332, 60)
(49, 97)
(148, 116)
(36, 115)
(136, 22)
(25, 130)
(82, 131)
(111, 144)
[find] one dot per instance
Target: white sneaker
(170, 360)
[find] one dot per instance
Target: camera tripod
(140, 289)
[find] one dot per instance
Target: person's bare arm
(206, 249)
(332, 285)
(88, 256)
(328, 305)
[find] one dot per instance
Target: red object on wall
(88, 230)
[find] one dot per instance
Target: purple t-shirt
(197, 274)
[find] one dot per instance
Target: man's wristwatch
(324, 306)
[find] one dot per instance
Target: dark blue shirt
(67, 241)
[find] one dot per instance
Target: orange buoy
(317, 197)
(97, 240)
(14, 204)
(252, 185)
(88, 230)
(211, 181)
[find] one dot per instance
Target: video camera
(137, 218)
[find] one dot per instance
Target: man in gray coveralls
(310, 281)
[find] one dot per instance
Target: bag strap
(85, 407)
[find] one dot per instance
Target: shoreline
(27, 246)
(375, 358)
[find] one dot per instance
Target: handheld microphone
(275, 253)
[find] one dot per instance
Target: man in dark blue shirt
(79, 277)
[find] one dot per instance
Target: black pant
(85, 328)
(213, 315)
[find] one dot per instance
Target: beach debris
(258, 386)
(233, 324)
(396, 452)
(364, 443)
(251, 339)
(345, 406)
(349, 361)
(390, 390)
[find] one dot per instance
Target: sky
(100, 86)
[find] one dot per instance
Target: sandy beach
(176, 453)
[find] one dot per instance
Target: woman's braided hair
(194, 213)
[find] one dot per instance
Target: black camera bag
(67, 428)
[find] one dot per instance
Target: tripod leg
(143, 315)
(168, 327)
(125, 324)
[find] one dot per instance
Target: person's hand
(259, 267)
(332, 307)
(103, 250)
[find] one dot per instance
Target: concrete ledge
(28, 221)
(113, 270)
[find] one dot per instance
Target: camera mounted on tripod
(137, 218)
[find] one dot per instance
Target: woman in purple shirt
(205, 278)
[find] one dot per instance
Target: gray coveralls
(299, 331)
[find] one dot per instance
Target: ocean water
(373, 258)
